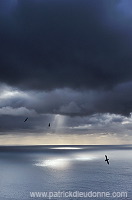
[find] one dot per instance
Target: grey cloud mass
(71, 102)
(67, 110)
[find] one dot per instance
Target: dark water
(64, 168)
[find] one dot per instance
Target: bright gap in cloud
(9, 93)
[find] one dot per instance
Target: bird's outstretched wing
(26, 119)
(108, 162)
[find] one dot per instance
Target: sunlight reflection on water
(58, 163)
(66, 161)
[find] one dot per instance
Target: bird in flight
(49, 124)
(26, 119)
(106, 159)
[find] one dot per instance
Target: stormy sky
(67, 62)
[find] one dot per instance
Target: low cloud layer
(68, 101)
(66, 110)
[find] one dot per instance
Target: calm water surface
(64, 168)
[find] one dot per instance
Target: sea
(66, 172)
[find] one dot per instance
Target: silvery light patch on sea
(65, 161)
(55, 163)
(65, 148)
(85, 157)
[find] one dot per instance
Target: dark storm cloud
(49, 44)
(66, 59)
